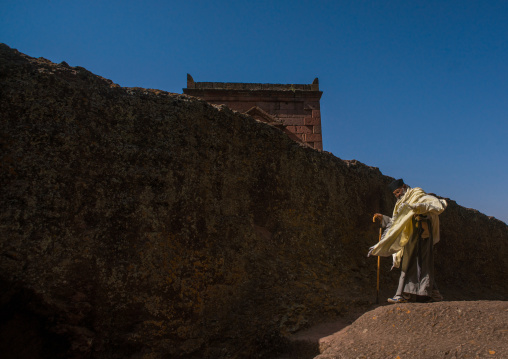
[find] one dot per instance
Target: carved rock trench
(137, 223)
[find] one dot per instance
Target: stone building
(294, 108)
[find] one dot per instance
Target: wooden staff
(378, 263)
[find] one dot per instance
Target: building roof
(191, 84)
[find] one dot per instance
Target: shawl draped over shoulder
(400, 229)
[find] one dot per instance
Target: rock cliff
(140, 223)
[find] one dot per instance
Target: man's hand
(377, 216)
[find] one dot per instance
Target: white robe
(399, 227)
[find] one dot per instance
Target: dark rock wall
(139, 223)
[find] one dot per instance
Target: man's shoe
(436, 296)
(397, 300)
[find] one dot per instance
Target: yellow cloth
(400, 230)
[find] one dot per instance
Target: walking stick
(378, 264)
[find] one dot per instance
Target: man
(409, 236)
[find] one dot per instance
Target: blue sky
(416, 88)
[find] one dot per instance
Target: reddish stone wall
(294, 108)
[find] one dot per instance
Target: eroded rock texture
(139, 223)
(421, 331)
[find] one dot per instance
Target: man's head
(398, 187)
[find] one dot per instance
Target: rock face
(139, 223)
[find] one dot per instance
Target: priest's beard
(402, 194)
